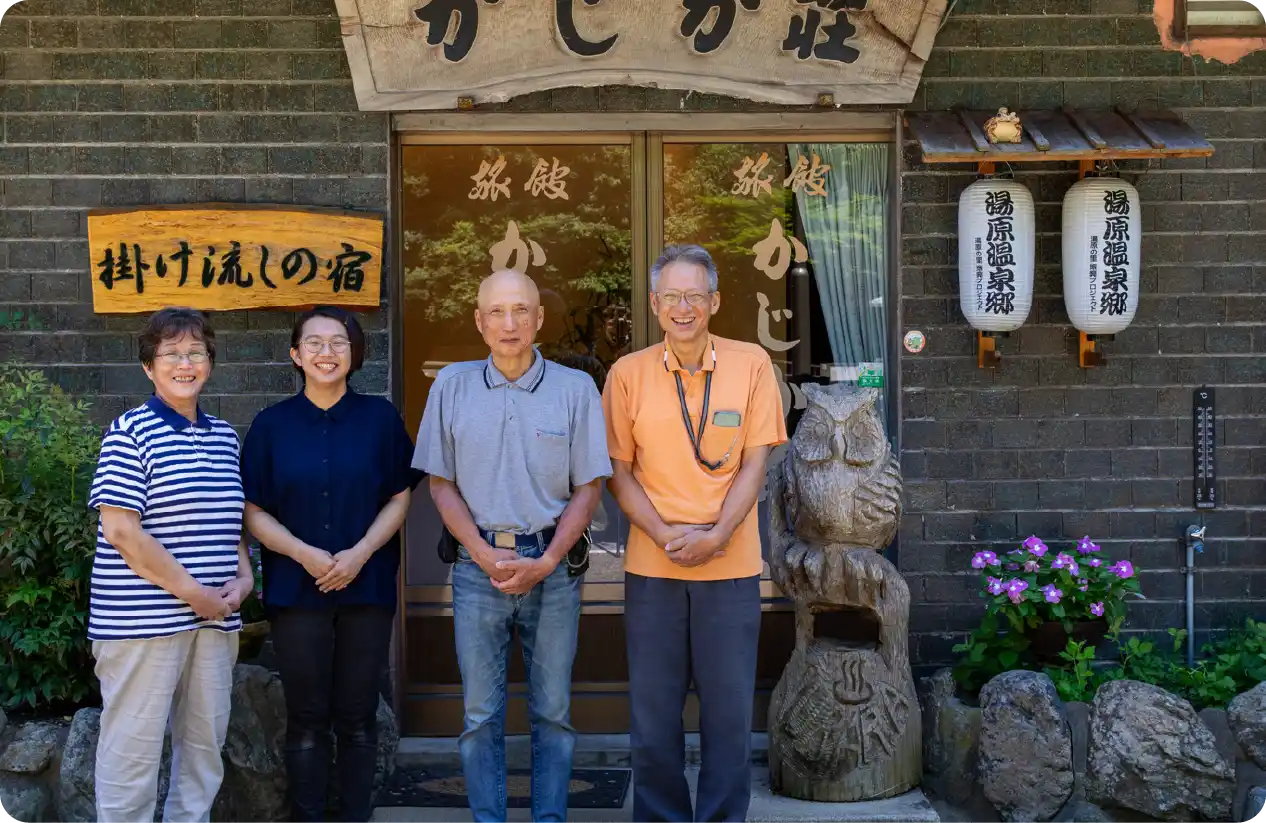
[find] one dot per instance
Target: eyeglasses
(315, 345)
(172, 358)
(694, 298)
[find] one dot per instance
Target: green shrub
(48, 452)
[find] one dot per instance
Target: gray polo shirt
(515, 449)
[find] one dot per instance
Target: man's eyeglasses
(315, 345)
(694, 298)
(172, 358)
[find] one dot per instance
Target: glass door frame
(646, 134)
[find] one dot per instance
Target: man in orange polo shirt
(690, 422)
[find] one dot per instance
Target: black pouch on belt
(578, 555)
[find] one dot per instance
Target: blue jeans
(547, 619)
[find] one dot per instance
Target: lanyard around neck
(696, 439)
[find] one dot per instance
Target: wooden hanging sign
(220, 257)
(435, 54)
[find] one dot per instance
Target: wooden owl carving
(844, 481)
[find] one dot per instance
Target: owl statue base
(844, 722)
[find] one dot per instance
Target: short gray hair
(685, 253)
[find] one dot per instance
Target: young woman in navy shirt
(327, 481)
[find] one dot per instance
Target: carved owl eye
(813, 439)
(864, 440)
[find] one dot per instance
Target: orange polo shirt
(645, 428)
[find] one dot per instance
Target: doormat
(438, 787)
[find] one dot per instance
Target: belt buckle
(504, 540)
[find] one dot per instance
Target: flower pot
(251, 640)
(1050, 638)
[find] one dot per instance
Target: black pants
(677, 631)
(331, 664)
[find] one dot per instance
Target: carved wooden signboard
(222, 257)
(425, 54)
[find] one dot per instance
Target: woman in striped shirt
(169, 574)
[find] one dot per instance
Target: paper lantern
(1102, 239)
(995, 254)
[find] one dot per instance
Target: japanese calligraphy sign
(425, 54)
(1102, 241)
(222, 257)
(996, 254)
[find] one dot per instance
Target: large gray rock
(1026, 748)
(26, 798)
(77, 783)
(254, 785)
(255, 782)
(1247, 716)
(1150, 752)
(951, 739)
(1079, 811)
(32, 748)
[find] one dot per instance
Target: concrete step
(598, 751)
(912, 807)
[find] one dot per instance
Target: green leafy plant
(48, 451)
(1079, 680)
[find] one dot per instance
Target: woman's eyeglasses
(315, 345)
(173, 358)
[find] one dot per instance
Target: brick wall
(129, 102)
(1041, 445)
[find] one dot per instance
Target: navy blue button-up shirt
(325, 475)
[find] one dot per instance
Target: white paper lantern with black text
(995, 254)
(1103, 231)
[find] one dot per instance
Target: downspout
(1195, 543)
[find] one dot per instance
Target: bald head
(508, 285)
(509, 313)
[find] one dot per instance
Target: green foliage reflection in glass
(48, 451)
(443, 269)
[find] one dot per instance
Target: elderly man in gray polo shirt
(516, 449)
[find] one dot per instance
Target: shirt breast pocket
(549, 453)
(723, 438)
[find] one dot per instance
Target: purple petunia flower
(1035, 546)
(1095, 562)
(985, 558)
(1084, 585)
(1097, 609)
(1064, 561)
(1052, 592)
(995, 585)
(1015, 589)
(1031, 566)
(1122, 569)
(1013, 567)
(1085, 546)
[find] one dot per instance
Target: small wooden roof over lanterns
(1083, 136)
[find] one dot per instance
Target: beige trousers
(185, 679)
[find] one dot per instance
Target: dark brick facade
(131, 102)
(1040, 445)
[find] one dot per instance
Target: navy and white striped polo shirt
(183, 480)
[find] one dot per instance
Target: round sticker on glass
(915, 341)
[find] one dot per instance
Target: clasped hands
(510, 572)
(691, 545)
(219, 602)
(333, 572)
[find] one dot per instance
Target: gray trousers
(680, 631)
